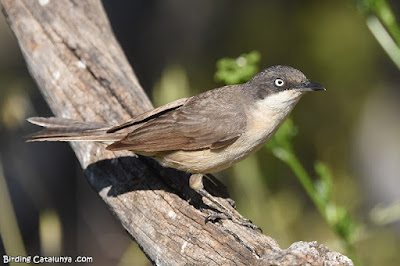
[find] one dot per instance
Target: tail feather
(63, 129)
(58, 122)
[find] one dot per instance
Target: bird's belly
(211, 161)
(202, 161)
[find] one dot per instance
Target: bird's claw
(223, 215)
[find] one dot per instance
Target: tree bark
(82, 72)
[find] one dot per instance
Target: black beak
(310, 86)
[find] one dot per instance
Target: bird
(202, 134)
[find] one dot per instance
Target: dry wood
(82, 72)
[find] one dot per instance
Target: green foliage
(282, 138)
(383, 25)
(237, 70)
(320, 191)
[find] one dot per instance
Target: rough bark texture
(81, 70)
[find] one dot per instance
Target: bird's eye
(279, 82)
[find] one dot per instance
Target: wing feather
(195, 125)
(149, 115)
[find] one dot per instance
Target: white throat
(282, 101)
(270, 112)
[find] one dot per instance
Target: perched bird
(202, 134)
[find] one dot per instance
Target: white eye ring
(279, 82)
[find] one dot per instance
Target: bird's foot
(231, 202)
(224, 212)
(239, 220)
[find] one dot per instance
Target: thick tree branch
(81, 70)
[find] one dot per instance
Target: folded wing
(201, 122)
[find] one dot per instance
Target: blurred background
(173, 46)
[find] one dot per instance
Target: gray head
(276, 79)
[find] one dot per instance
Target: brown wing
(195, 125)
(149, 115)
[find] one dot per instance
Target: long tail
(63, 129)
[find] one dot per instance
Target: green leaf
(324, 183)
(284, 136)
(238, 70)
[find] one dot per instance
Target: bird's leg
(196, 183)
(219, 184)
